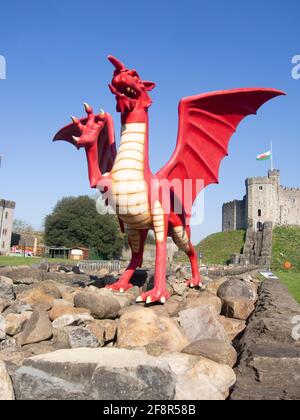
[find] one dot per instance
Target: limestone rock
(4, 303)
(80, 337)
(199, 378)
(15, 322)
(94, 374)
(50, 288)
(233, 327)
(173, 305)
(71, 320)
(220, 351)
(238, 308)
(58, 303)
(141, 327)
(213, 286)
(195, 299)
(101, 306)
(37, 329)
(59, 311)
(37, 298)
(178, 285)
(17, 307)
(235, 288)
(202, 323)
(104, 329)
(6, 288)
(6, 387)
(24, 275)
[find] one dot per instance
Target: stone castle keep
(265, 201)
(266, 204)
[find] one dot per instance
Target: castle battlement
(232, 203)
(265, 202)
(289, 189)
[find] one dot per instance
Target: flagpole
(272, 165)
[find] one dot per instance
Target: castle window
(261, 188)
(260, 227)
(259, 213)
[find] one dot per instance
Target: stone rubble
(64, 336)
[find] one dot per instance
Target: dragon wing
(106, 142)
(206, 125)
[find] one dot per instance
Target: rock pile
(62, 337)
(269, 367)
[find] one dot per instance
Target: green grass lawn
(292, 281)
(219, 247)
(4, 261)
(286, 247)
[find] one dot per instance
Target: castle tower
(262, 199)
(6, 222)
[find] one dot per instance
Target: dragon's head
(130, 90)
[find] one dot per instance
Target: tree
(75, 222)
(24, 233)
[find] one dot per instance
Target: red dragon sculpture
(143, 200)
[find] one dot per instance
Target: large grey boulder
(94, 374)
(198, 378)
(80, 337)
(101, 306)
(37, 329)
(202, 323)
(235, 288)
(139, 327)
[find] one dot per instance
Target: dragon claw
(77, 139)
(75, 120)
(119, 286)
(193, 283)
(88, 108)
(154, 296)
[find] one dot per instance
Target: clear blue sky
(56, 59)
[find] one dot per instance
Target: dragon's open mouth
(122, 90)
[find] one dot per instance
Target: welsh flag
(264, 156)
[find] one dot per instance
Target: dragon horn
(116, 63)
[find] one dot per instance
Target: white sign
(268, 275)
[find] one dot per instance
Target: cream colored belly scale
(129, 188)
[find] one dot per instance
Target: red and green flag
(264, 156)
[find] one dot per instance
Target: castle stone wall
(6, 222)
(234, 215)
(289, 207)
(266, 201)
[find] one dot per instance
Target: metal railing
(98, 265)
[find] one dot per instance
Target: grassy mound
(219, 247)
(286, 247)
